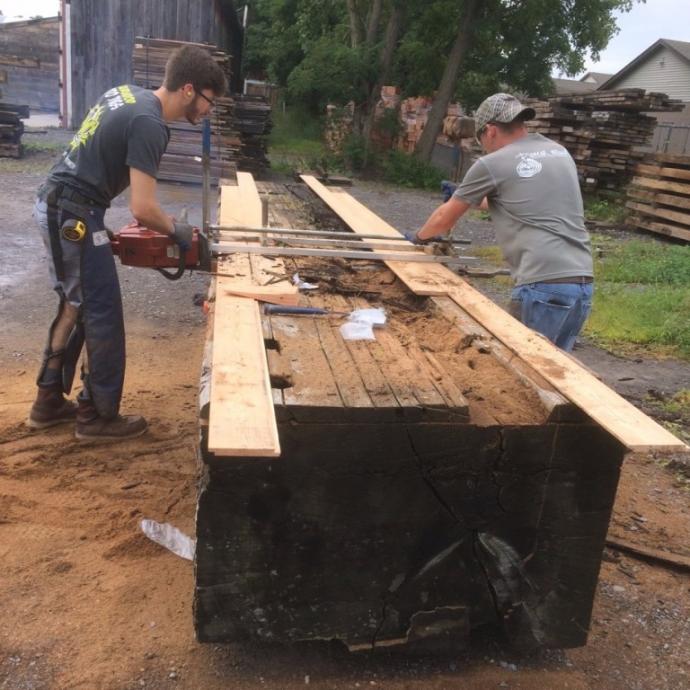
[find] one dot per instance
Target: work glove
(447, 189)
(182, 234)
(411, 236)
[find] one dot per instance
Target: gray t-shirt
(124, 130)
(535, 203)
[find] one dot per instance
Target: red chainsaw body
(136, 245)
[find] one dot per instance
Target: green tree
(333, 51)
(518, 44)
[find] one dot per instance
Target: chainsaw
(136, 245)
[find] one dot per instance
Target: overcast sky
(638, 29)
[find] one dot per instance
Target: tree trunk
(355, 28)
(425, 145)
(390, 42)
(374, 19)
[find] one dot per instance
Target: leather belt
(578, 280)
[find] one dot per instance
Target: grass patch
(296, 132)
(674, 413)
(409, 171)
(491, 254)
(295, 142)
(641, 297)
(604, 210)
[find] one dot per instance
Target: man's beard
(192, 114)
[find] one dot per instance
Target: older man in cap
(531, 187)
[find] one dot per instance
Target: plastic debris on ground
(302, 285)
(170, 537)
(361, 322)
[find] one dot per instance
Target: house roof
(682, 48)
(568, 87)
(598, 77)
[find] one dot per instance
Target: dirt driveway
(88, 602)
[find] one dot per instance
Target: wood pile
(338, 127)
(659, 195)
(602, 131)
(11, 129)
(414, 114)
(239, 124)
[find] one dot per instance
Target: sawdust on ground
(87, 602)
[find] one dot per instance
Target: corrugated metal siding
(673, 78)
(103, 35)
(38, 85)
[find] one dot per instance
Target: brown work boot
(92, 427)
(51, 408)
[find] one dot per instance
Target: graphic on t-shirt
(88, 127)
(528, 167)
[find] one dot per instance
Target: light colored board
(242, 420)
(251, 276)
(427, 280)
(663, 185)
(647, 210)
(677, 173)
(242, 417)
(241, 277)
(624, 421)
(660, 198)
(662, 229)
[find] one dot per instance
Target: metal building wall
(29, 57)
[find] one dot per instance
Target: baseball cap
(501, 107)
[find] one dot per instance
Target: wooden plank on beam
(624, 421)
(242, 417)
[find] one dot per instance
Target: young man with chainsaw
(119, 144)
(533, 195)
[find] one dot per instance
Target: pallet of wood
(11, 129)
(239, 124)
(659, 195)
(456, 472)
(602, 131)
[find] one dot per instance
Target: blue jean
(89, 282)
(556, 310)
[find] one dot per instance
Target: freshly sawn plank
(624, 421)
(241, 415)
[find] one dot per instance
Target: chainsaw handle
(180, 268)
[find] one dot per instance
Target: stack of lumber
(246, 123)
(239, 124)
(150, 55)
(414, 114)
(12, 128)
(338, 127)
(602, 131)
(659, 195)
